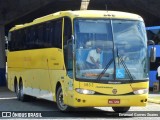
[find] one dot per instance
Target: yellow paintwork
(37, 68)
(82, 14)
(44, 68)
(105, 91)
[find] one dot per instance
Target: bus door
(68, 60)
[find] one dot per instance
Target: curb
(152, 100)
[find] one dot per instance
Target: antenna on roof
(106, 7)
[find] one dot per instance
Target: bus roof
(81, 14)
(153, 28)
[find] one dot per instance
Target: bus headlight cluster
(84, 91)
(141, 91)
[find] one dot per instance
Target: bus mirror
(153, 54)
(6, 39)
(152, 50)
(150, 42)
(70, 41)
(73, 43)
(73, 37)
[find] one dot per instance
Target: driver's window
(68, 52)
(69, 56)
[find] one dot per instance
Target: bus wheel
(22, 96)
(120, 109)
(17, 91)
(59, 100)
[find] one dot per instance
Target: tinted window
(44, 35)
(57, 33)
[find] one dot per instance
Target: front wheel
(59, 99)
(120, 109)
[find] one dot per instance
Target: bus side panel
(39, 69)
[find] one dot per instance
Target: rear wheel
(59, 99)
(120, 109)
(17, 91)
(22, 96)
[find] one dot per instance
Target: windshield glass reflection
(94, 48)
(100, 45)
(131, 44)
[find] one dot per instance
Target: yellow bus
(86, 58)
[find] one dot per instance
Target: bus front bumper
(82, 100)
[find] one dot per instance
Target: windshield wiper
(124, 65)
(104, 70)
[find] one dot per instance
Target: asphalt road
(9, 103)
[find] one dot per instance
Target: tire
(22, 96)
(17, 91)
(59, 100)
(120, 109)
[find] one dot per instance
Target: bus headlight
(84, 91)
(141, 91)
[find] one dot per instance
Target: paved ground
(8, 102)
(154, 98)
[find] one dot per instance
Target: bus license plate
(114, 101)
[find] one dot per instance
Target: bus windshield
(110, 49)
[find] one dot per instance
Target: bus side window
(50, 30)
(67, 29)
(39, 41)
(48, 34)
(28, 38)
(57, 33)
(12, 41)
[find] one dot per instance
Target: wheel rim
(61, 102)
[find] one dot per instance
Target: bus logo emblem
(114, 91)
